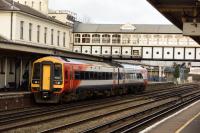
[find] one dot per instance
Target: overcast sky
(112, 11)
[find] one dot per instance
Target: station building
(137, 41)
(27, 31)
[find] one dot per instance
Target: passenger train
(58, 79)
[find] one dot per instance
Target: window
(45, 35)
(32, 4)
(77, 38)
(87, 75)
(58, 38)
(77, 76)
(136, 52)
(21, 30)
(57, 72)
(52, 36)
(82, 75)
(96, 38)
(116, 39)
(40, 6)
(36, 71)
(135, 38)
(86, 38)
(126, 39)
(146, 38)
(105, 38)
(64, 36)
(30, 31)
(38, 33)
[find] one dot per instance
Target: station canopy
(185, 14)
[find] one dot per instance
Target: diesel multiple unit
(56, 79)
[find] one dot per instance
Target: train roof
(87, 62)
(77, 61)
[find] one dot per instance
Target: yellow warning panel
(46, 77)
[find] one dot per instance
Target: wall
(43, 23)
(36, 5)
(5, 24)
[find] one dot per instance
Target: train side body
(55, 79)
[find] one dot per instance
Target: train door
(69, 77)
(46, 73)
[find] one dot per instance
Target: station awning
(185, 14)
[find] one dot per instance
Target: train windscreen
(57, 72)
(36, 71)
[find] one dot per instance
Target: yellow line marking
(187, 123)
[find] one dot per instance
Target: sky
(111, 11)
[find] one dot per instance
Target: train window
(111, 75)
(95, 75)
(87, 75)
(100, 76)
(92, 75)
(82, 75)
(57, 72)
(77, 75)
(36, 71)
(107, 76)
(103, 75)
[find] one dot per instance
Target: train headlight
(57, 82)
(36, 82)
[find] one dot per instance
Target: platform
(186, 120)
(15, 100)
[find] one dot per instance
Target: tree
(177, 71)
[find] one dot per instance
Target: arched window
(106, 38)
(96, 38)
(116, 39)
(86, 38)
(77, 38)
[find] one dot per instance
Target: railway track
(108, 127)
(115, 107)
(44, 108)
(132, 122)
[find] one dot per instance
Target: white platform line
(158, 123)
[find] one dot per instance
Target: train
(60, 79)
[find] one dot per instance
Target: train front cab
(47, 81)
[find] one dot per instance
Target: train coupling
(45, 95)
